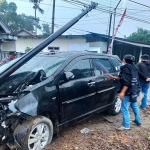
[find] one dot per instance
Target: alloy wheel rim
(118, 105)
(38, 137)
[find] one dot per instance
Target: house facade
(92, 42)
(62, 43)
(7, 40)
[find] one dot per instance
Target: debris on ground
(85, 130)
(109, 120)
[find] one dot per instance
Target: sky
(97, 20)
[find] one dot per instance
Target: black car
(52, 91)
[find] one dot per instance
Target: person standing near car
(129, 91)
(11, 56)
(144, 76)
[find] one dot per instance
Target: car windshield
(46, 63)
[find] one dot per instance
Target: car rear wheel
(116, 107)
(39, 133)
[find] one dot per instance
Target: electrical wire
(145, 17)
(107, 9)
(47, 10)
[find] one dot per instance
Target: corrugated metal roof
(135, 44)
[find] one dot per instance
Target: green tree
(46, 29)
(27, 49)
(141, 35)
(12, 7)
(4, 7)
(37, 7)
(16, 22)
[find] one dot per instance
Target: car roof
(68, 54)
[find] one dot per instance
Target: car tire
(37, 131)
(116, 107)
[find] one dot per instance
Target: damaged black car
(52, 91)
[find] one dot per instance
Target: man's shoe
(122, 128)
(142, 108)
(137, 123)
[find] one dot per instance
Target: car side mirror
(68, 76)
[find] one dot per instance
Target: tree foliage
(36, 6)
(27, 49)
(16, 22)
(141, 35)
(46, 29)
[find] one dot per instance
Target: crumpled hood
(9, 85)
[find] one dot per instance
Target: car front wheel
(38, 132)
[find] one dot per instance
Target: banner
(113, 38)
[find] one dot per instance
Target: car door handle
(91, 84)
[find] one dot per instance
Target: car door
(77, 96)
(104, 85)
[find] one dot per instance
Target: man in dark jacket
(144, 76)
(129, 91)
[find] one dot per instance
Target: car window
(102, 66)
(116, 64)
(99, 69)
(82, 69)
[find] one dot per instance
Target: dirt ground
(102, 134)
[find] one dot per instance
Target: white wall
(9, 46)
(101, 45)
(79, 47)
(22, 43)
(64, 44)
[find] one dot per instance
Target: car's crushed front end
(17, 104)
(15, 110)
(9, 119)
